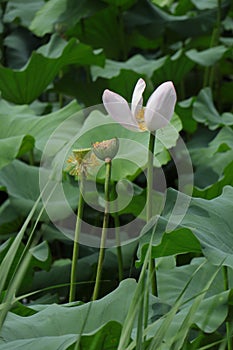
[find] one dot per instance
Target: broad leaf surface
(23, 195)
(25, 10)
(70, 320)
(21, 128)
(205, 112)
(26, 85)
(206, 221)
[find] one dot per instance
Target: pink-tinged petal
(160, 106)
(137, 100)
(118, 108)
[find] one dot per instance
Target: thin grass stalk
(56, 286)
(140, 323)
(141, 293)
(189, 319)
(76, 238)
(21, 267)
(133, 309)
(77, 344)
(167, 319)
(10, 256)
(108, 167)
(184, 328)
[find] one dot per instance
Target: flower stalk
(118, 244)
(151, 148)
(108, 166)
(78, 165)
(105, 150)
(76, 239)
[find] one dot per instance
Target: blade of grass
(134, 306)
(22, 265)
(157, 341)
(10, 256)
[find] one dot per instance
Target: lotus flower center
(140, 120)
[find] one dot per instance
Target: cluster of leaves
(57, 57)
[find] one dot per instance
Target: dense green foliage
(57, 58)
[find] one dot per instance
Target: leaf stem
(151, 148)
(119, 251)
(209, 74)
(76, 239)
(60, 95)
(118, 239)
(108, 165)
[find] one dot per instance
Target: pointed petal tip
(141, 81)
(160, 106)
(168, 86)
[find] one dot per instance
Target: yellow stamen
(80, 162)
(140, 119)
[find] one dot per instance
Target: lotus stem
(108, 167)
(76, 239)
(151, 148)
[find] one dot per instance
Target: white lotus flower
(157, 113)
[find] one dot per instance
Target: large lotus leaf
(211, 159)
(151, 21)
(10, 146)
(100, 29)
(159, 70)
(103, 338)
(197, 297)
(137, 63)
(205, 112)
(56, 320)
(215, 310)
(106, 337)
(164, 243)
(25, 10)
(207, 4)
(207, 57)
(184, 110)
(209, 221)
(25, 85)
(61, 342)
(63, 13)
(19, 45)
(10, 221)
(49, 13)
(216, 189)
(20, 127)
(172, 281)
(193, 278)
(22, 185)
(176, 66)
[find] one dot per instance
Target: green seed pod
(106, 150)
